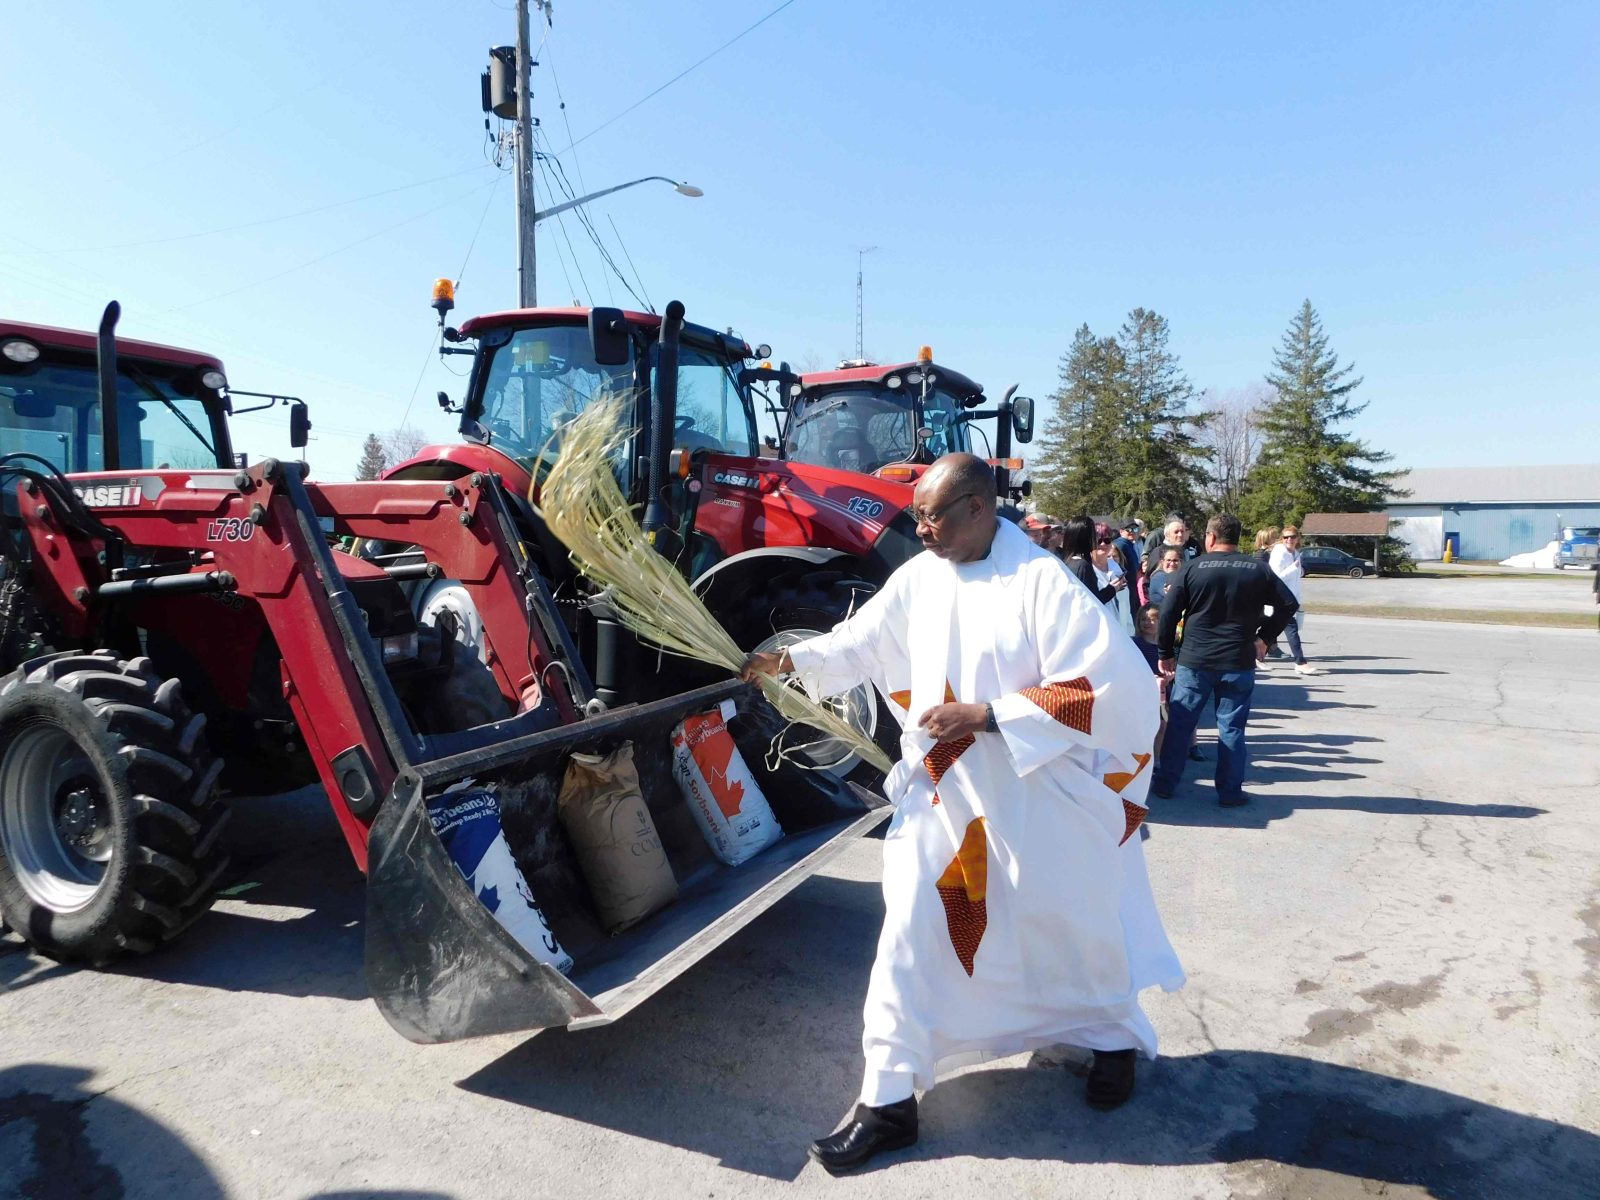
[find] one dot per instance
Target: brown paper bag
(619, 852)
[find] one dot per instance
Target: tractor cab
(171, 409)
(863, 417)
(536, 370)
(895, 420)
(171, 413)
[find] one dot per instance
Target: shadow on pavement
(756, 1052)
(745, 1058)
(1256, 1109)
(306, 939)
(46, 1152)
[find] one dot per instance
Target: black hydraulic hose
(664, 416)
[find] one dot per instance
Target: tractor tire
(469, 696)
(794, 608)
(109, 826)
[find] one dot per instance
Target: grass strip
(1474, 616)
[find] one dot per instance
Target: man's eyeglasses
(934, 516)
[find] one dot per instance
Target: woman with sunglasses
(1108, 572)
(1078, 548)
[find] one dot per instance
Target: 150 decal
(864, 506)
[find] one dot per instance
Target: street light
(683, 189)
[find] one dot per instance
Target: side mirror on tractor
(299, 424)
(1022, 418)
(608, 336)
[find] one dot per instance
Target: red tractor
(177, 625)
(781, 541)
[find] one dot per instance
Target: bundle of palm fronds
(585, 508)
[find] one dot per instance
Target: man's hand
(1261, 650)
(951, 722)
(759, 663)
(1168, 667)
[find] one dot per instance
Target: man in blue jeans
(1219, 597)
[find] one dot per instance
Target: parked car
(1325, 560)
(1580, 547)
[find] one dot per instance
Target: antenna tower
(860, 254)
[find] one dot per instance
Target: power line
(693, 66)
(561, 222)
(493, 188)
(304, 212)
(338, 250)
(649, 307)
(588, 224)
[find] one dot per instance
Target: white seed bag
(721, 792)
(467, 820)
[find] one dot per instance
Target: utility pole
(527, 277)
(860, 254)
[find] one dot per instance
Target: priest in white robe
(1019, 913)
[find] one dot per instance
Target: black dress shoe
(870, 1131)
(1196, 756)
(1110, 1078)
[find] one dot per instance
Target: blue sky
(1426, 174)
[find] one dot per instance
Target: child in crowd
(1145, 639)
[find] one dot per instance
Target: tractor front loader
(181, 622)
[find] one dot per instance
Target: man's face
(1176, 532)
(951, 524)
(1036, 535)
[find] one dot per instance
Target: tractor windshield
(52, 408)
(861, 427)
(538, 380)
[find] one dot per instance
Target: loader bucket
(441, 967)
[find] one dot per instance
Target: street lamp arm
(685, 188)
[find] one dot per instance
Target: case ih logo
(735, 479)
(110, 495)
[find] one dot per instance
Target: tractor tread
(179, 871)
(207, 841)
(190, 737)
(149, 806)
(93, 685)
(159, 776)
(143, 756)
(115, 712)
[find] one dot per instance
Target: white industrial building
(1492, 512)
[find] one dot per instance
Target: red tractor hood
(456, 459)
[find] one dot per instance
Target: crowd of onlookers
(1131, 571)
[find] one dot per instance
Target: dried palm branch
(584, 507)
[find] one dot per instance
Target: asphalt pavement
(1394, 960)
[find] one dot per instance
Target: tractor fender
(734, 574)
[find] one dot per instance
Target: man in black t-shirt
(1219, 597)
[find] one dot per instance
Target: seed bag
(721, 792)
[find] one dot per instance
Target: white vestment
(1019, 912)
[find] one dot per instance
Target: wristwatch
(990, 725)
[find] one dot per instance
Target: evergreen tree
(1071, 473)
(1309, 462)
(1159, 462)
(373, 459)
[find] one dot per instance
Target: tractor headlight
(214, 379)
(20, 351)
(402, 647)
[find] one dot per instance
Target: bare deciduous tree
(400, 444)
(1233, 440)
